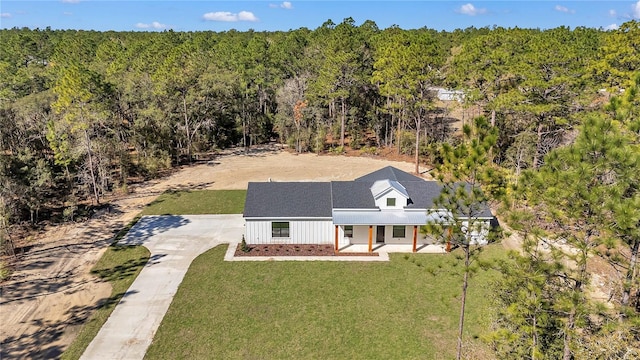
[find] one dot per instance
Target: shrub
(407, 141)
(69, 213)
(151, 165)
(4, 271)
(243, 245)
(370, 150)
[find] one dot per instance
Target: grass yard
(197, 202)
(119, 265)
(405, 309)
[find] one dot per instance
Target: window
(398, 231)
(391, 201)
(280, 229)
(348, 231)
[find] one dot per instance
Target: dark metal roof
(288, 199)
(389, 173)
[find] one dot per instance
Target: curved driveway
(174, 241)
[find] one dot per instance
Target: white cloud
(220, 16)
(154, 25)
(246, 16)
(5, 15)
(469, 9)
(611, 27)
(71, 1)
(229, 16)
(285, 5)
(613, 13)
(564, 9)
(636, 10)
(67, 13)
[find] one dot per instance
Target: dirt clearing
(53, 293)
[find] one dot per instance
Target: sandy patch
(53, 293)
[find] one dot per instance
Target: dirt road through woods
(45, 302)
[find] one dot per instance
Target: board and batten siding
(343, 240)
(480, 231)
(300, 232)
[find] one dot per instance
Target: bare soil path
(53, 293)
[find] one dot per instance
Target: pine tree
(82, 100)
(463, 170)
(570, 194)
(625, 204)
(526, 323)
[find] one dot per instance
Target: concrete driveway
(174, 241)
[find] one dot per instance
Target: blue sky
(154, 15)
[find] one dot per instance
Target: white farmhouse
(384, 207)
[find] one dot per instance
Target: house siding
(401, 201)
(361, 236)
(343, 240)
(408, 236)
(479, 232)
(389, 239)
(323, 232)
(300, 232)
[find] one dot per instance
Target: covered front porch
(384, 231)
(395, 248)
(383, 238)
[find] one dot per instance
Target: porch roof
(379, 217)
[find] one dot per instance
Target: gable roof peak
(382, 187)
(389, 173)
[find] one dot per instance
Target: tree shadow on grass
(121, 271)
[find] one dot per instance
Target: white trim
(287, 218)
(356, 209)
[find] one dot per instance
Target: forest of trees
(83, 112)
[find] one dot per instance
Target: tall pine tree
(463, 170)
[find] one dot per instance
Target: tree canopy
(82, 113)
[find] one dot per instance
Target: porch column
(370, 238)
(336, 248)
(415, 238)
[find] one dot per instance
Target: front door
(380, 234)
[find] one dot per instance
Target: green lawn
(407, 308)
(197, 202)
(119, 265)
